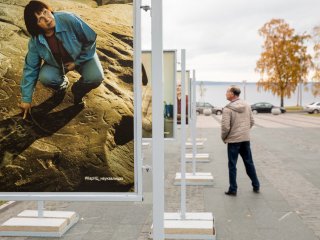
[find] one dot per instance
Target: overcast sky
(221, 36)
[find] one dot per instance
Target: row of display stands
(175, 225)
(184, 224)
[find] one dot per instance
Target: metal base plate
(52, 224)
(199, 157)
(194, 226)
(198, 145)
(198, 139)
(199, 179)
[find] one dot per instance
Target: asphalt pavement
(286, 152)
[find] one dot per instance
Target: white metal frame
(175, 107)
(190, 98)
(107, 196)
(174, 97)
(194, 121)
(157, 120)
(193, 219)
(183, 134)
(194, 178)
(187, 73)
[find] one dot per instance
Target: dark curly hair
(30, 18)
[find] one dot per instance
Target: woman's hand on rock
(26, 108)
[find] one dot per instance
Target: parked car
(313, 107)
(204, 105)
(264, 107)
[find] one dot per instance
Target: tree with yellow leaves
(316, 77)
(284, 62)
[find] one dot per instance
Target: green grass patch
(2, 202)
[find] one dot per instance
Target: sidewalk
(288, 207)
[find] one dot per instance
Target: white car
(313, 107)
(201, 106)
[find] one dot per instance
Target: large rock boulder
(62, 147)
(207, 111)
(276, 111)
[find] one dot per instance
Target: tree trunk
(281, 103)
(281, 99)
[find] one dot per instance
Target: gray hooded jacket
(237, 119)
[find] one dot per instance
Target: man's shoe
(230, 193)
(78, 100)
(256, 190)
(78, 96)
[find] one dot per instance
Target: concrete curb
(7, 205)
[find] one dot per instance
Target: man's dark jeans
(242, 148)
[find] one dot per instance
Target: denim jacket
(77, 38)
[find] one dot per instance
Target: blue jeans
(91, 73)
(242, 148)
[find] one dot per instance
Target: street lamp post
(244, 89)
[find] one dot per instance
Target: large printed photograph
(169, 84)
(66, 96)
(187, 85)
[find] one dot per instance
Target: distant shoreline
(214, 93)
(198, 82)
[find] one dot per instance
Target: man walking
(236, 123)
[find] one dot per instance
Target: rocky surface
(62, 147)
(102, 2)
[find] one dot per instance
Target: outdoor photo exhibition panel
(169, 84)
(188, 97)
(63, 151)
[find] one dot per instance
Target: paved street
(286, 152)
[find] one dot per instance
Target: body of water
(215, 93)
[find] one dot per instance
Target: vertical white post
(194, 121)
(175, 106)
(40, 208)
(244, 90)
(188, 83)
(183, 133)
(157, 120)
(137, 96)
